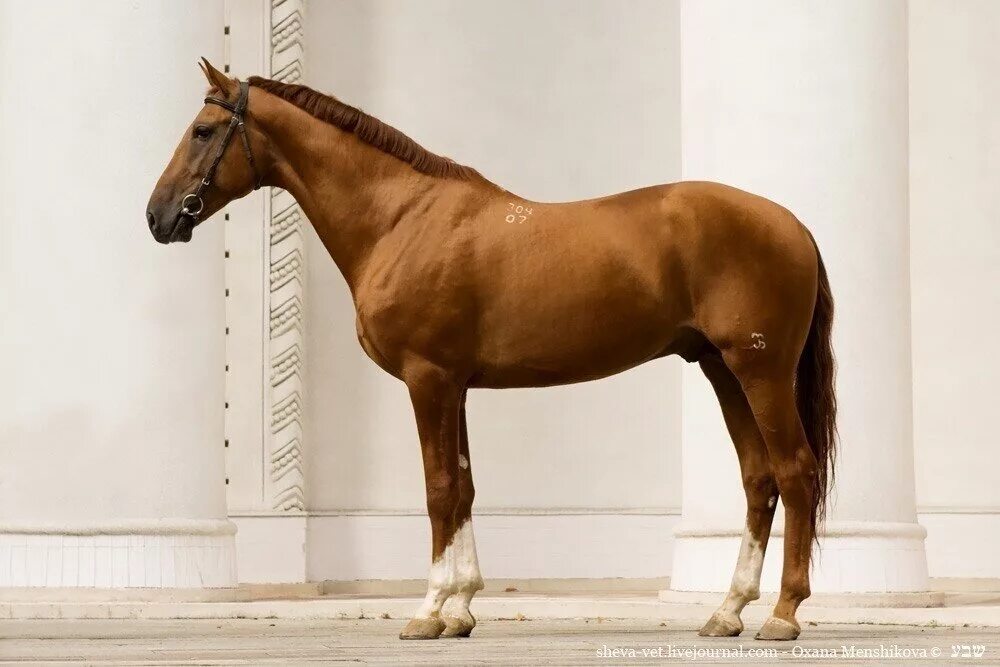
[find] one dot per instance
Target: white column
(111, 427)
(806, 103)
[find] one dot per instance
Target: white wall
(955, 267)
(94, 387)
(553, 103)
(111, 345)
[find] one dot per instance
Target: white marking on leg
(771, 501)
(745, 586)
(456, 571)
(463, 462)
(458, 605)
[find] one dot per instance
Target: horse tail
(815, 395)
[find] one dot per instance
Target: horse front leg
(459, 621)
(438, 405)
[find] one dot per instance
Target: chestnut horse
(460, 284)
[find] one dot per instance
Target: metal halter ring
(187, 210)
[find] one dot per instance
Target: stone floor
(546, 642)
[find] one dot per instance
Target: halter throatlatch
(192, 205)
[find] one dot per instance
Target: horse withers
(460, 284)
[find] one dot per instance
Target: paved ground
(546, 642)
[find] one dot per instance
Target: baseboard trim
(478, 511)
(576, 543)
(962, 542)
(969, 585)
(511, 546)
(831, 529)
(519, 543)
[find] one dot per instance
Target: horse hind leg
(770, 392)
(761, 492)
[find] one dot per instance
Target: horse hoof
(458, 626)
(423, 628)
(778, 629)
(722, 626)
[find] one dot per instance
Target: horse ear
(216, 78)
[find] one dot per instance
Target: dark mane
(369, 129)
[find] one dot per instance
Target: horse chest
(378, 347)
(391, 326)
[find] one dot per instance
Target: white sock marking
(746, 578)
(456, 571)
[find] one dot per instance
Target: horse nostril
(150, 219)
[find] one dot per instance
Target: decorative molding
(286, 364)
(286, 316)
(285, 221)
(285, 268)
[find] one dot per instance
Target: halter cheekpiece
(192, 205)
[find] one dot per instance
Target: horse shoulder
(410, 298)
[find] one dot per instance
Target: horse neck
(353, 193)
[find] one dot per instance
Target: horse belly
(566, 331)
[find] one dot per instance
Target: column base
(174, 553)
(854, 557)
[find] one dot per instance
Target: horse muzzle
(180, 228)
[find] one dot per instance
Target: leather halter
(192, 205)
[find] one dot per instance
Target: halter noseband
(192, 205)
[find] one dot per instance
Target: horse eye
(202, 132)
